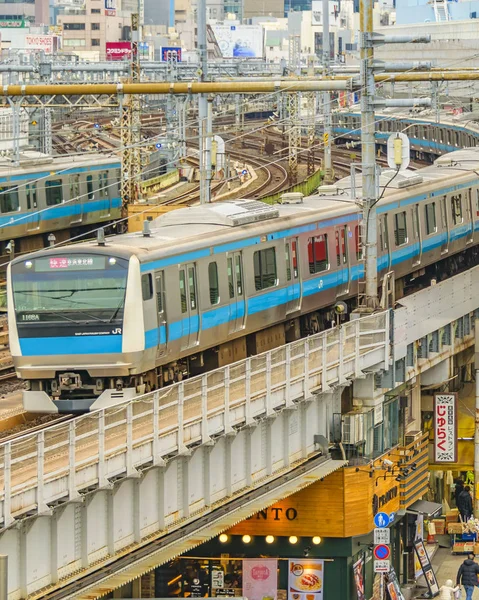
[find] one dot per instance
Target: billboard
(445, 428)
(173, 50)
(118, 50)
(317, 12)
(239, 41)
(110, 8)
(39, 42)
(306, 579)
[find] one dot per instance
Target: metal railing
(61, 461)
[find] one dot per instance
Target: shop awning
(430, 509)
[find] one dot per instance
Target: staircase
(441, 11)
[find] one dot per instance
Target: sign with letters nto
(445, 428)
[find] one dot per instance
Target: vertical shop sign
(445, 428)
(306, 579)
(260, 578)
(426, 567)
(358, 570)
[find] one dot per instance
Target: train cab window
(192, 286)
(184, 308)
(456, 207)
(265, 274)
(400, 228)
(357, 241)
(318, 253)
(74, 186)
(53, 192)
(31, 193)
(89, 187)
(430, 210)
(9, 199)
(213, 281)
(147, 286)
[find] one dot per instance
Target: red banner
(118, 50)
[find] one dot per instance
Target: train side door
(469, 218)
(161, 311)
(445, 227)
(416, 232)
(293, 282)
(190, 321)
(104, 191)
(237, 306)
(342, 260)
(33, 222)
(384, 240)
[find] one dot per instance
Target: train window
(384, 233)
(9, 199)
(53, 192)
(231, 285)
(214, 285)
(239, 275)
(477, 202)
(265, 274)
(31, 193)
(443, 213)
(89, 187)
(430, 210)
(192, 287)
(456, 207)
(74, 186)
(357, 239)
(400, 229)
(105, 186)
(318, 253)
(415, 221)
(147, 286)
(184, 308)
(287, 255)
(291, 253)
(341, 247)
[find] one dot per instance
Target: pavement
(446, 566)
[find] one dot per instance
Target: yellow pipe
(427, 76)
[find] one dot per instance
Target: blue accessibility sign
(392, 516)
(381, 519)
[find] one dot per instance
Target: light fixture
(246, 539)
(293, 539)
(223, 538)
(112, 260)
(269, 539)
(28, 264)
(316, 540)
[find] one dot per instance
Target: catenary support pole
(202, 100)
(476, 432)
(328, 170)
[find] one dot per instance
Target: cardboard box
(454, 528)
(440, 525)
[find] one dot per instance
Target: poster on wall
(393, 587)
(445, 428)
(239, 41)
(306, 579)
(260, 578)
(419, 536)
(358, 570)
(426, 567)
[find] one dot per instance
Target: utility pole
(476, 433)
(328, 168)
(205, 195)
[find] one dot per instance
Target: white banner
(39, 42)
(260, 578)
(239, 41)
(445, 428)
(306, 579)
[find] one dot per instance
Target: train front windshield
(77, 288)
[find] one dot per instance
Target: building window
(95, 26)
(96, 11)
(95, 42)
(214, 286)
(265, 274)
(73, 42)
(74, 26)
(9, 199)
(430, 210)
(318, 254)
(53, 192)
(400, 229)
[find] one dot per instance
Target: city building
(425, 11)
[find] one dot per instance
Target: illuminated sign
(73, 263)
(445, 428)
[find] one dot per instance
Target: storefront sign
(358, 570)
(39, 42)
(260, 578)
(118, 50)
(445, 428)
(426, 567)
(306, 579)
(110, 8)
(13, 23)
(276, 514)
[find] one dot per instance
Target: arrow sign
(381, 552)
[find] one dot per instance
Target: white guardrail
(56, 464)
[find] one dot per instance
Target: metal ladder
(441, 11)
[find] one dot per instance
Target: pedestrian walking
(465, 504)
(467, 575)
(459, 487)
(447, 591)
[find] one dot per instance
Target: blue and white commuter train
(94, 323)
(47, 194)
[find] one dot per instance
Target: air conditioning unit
(353, 428)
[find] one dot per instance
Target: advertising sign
(170, 50)
(118, 50)
(239, 41)
(419, 536)
(393, 587)
(110, 8)
(358, 569)
(317, 12)
(39, 42)
(306, 579)
(13, 23)
(426, 567)
(445, 428)
(260, 578)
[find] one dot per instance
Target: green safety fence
(306, 187)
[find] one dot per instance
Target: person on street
(465, 504)
(459, 487)
(447, 591)
(467, 575)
